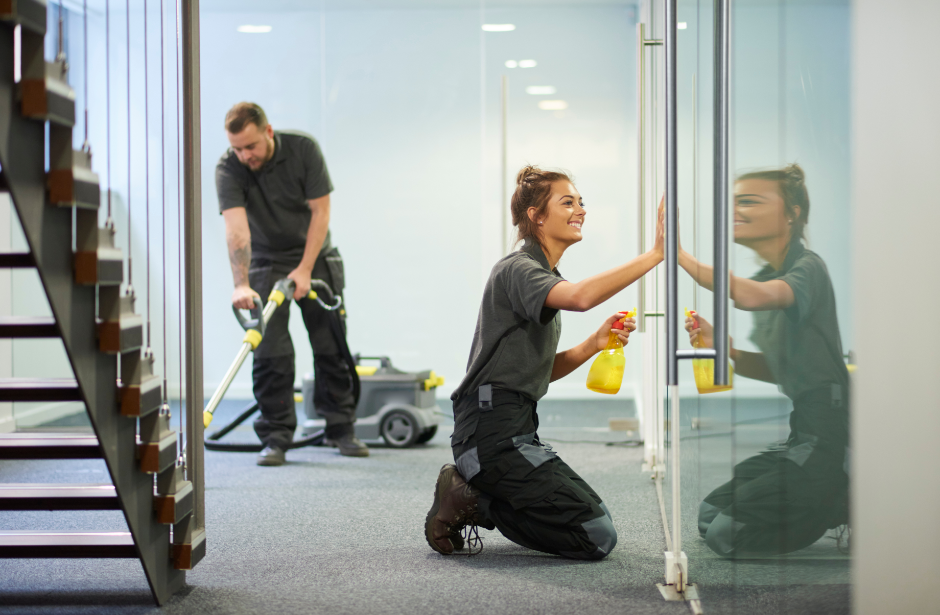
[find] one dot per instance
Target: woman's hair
(792, 184)
(533, 189)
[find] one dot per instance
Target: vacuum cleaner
(254, 333)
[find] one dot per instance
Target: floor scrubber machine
(398, 407)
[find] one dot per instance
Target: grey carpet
(328, 534)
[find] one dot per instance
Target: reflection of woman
(516, 483)
(784, 499)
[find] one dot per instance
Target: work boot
(344, 438)
(271, 456)
(454, 507)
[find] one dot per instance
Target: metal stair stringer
(48, 231)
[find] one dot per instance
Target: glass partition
(765, 465)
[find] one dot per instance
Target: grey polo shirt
(275, 197)
(514, 303)
(801, 343)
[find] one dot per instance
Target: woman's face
(564, 215)
(759, 212)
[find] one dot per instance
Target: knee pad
(602, 533)
(706, 514)
(721, 534)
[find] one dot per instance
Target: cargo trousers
(786, 498)
(273, 369)
(526, 491)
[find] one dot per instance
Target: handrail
(641, 43)
(721, 278)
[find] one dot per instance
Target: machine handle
(256, 321)
(722, 281)
(386, 361)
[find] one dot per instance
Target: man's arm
(316, 234)
(238, 238)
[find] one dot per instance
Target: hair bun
(794, 172)
(526, 174)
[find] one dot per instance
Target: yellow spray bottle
(704, 369)
(606, 373)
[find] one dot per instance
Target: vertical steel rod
(504, 160)
(192, 237)
(641, 160)
(672, 203)
(721, 280)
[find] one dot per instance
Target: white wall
(405, 104)
(896, 461)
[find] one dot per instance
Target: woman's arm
(752, 365)
(569, 360)
(748, 364)
(591, 292)
(748, 295)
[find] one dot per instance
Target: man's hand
(301, 278)
(602, 335)
(243, 297)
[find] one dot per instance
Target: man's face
(253, 146)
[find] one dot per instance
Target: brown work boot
(455, 506)
(344, 438)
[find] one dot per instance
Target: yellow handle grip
(206, 419)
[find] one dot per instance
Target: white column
(896, 220)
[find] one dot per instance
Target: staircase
(96, 323)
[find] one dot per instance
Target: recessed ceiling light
(499, 27)
(527, 63)
(511, 64)
(682, 25)
(541, 90)
(254, 29)
(553, 105)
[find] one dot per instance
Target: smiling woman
(505, 478)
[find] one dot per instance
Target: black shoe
(344, 438)
(271, 456)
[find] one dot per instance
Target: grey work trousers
(273, 369)
(527, 492)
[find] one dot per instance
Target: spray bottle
(606, 373)
(704, 369)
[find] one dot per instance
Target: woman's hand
(701, 333)
(603, 333)
(659, 246)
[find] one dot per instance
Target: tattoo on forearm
(240, 258)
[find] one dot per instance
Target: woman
(784, 499)
(504, 477)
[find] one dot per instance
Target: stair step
(16, 260)
(33, 544)
(155, 457)
(58, 497)
(39, 389)
(30, 13)
(28, 326)
(48, 98)
(48, 446)
(172, 508)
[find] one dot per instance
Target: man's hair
(242, 114)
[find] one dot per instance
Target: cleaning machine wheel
(399, 429)
(426, 436)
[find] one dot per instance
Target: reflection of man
(274, 193)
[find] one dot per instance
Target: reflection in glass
(788, 496)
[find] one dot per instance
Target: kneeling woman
(505, 478)
(785, 498)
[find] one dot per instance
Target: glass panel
(764, 466)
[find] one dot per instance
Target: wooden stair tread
(48, 446)
(28, 326)
(16, 260)
(28, 496)
(33, 544)
(39, 389)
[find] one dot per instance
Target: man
(274, 193)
